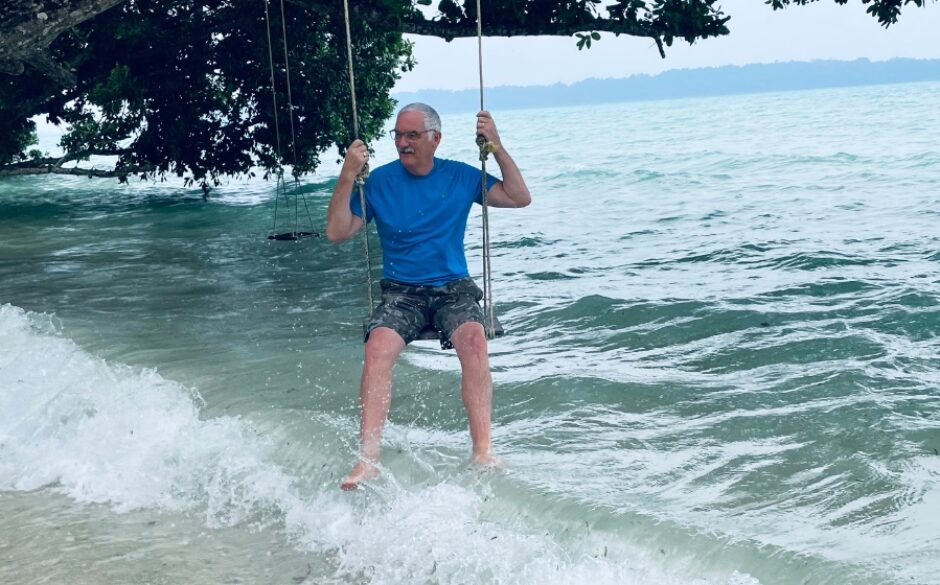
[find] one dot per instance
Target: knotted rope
(485, 149)
(361, 177)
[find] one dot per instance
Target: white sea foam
(107, 433)
(445, 534)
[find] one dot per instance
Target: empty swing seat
(294, 235)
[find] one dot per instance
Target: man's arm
(341, 223)
(512, 190)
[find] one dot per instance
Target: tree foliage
(176, 87)
(886, 11)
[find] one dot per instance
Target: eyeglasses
(408, 136)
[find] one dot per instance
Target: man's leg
(476, 388)
(375, 397)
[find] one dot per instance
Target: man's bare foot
(363, 471)
(487, 462)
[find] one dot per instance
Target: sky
(823, 30)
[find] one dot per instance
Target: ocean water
(721, 368)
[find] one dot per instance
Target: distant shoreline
(683, 83)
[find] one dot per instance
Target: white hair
(432, 121)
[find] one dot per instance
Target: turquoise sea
(722, 366)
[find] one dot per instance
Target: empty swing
(295, 232)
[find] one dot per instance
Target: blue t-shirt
(421, 220)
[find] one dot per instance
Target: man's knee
(470, 338)
(383, 346)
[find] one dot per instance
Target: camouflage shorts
(408, 309)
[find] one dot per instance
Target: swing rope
(277, 124)
(485, 149)
(361, 177)
(295, 233)
(290, 103)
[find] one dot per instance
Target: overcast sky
(824, 30)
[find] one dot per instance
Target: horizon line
(561, 84)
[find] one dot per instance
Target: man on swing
(420, 204)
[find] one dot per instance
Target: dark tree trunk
(28, 27)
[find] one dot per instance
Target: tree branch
(84, 154)
(53, 165)
(28, 27)
(29, 168)
(463, 29)
(43, 63)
